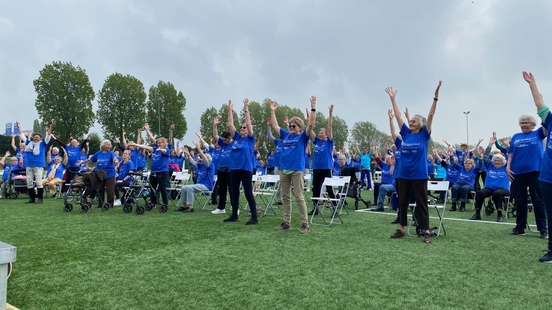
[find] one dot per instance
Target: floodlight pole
(467, 128)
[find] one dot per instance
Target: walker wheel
(68, 207)
(105, 206)
(140, 210)
(127, 208)
(13, 195)
(84, 208)
(163, 208)
(149, 206)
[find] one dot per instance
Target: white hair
(103, 143)
(501, 158)
(528, 117)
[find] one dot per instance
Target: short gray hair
(528, 117)
(422, 120)
(501, 158)
(102, 144)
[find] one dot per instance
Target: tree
(64, 95)
(40, 128)
(94, 143)
(166, 106)
(340, 132)
(206, 123)
(121, 105)
(366, 134)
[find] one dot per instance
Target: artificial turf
(113, 260)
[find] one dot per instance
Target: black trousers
(244, 178)
(419, 188)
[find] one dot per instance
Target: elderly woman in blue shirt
(205, 171)
(292, 164)
(545, 176)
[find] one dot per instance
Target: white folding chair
(340, 186)
(178, 179)
(307, 178)
(437, 186)
(204, 197)
(266, 191)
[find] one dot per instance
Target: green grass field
(113, 260)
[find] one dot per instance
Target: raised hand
(273, 106)
(437, 90)
(493, 139)
(392, 93)
(230, 105)
(216, 120)
(313, 102)
(286, 120)
(124, 132)
(506, 141)
(245, 103)
(390, 114)
(406, 114)
(331, 107)
(8, 153)
(146, 126)
(196, 144)
(528, 77)
(171, 127)
(268, 122)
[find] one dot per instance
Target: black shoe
(499, 219)
(252, 222)
(462, 209)
(476, 217)
(54, 195)
(181, 209)
(544, 235)
(231, 219)
(39, 201)
(517, 232)
(453, 207)
(313, 212)
(396, 221)
(379, 209)
(30, 201)
(188, 210)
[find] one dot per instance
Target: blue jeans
(546, 191)
(518, 189)
(463, 189)
(383, 190)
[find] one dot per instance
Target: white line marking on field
(446, 218)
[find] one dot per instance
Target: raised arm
(216, 121)
(13, 143)
(537, 97)
(407, 115)
(171, 135)
(431, 113)
(65, 156)
(202, 141)
(312, 115)
(125, 145)
(330, 122)
(269, 130)
(49, 155)
(200, 152)
(139, 136)
(231, 126)
(150, 135)
(247, 117)
(391, 125)
(392, 94)
(273, 119)
(3, 160)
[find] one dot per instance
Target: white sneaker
(117, 202)
(238, 211)
(218, 211)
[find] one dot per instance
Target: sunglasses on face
(293, 126)
(243, 127)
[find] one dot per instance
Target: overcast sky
(344, 52)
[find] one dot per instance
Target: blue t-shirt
(7, 169)
(225, 153)
(452, 174)
(430, 168)
(355, 164)
(105, 162)
(215, 154)
(546, 171)
(160, 161)
(365, 160)
(441, 172)
(307, 160)
(464, 176)
(73, 155)
(241, 157)
(205, 175)
(413, 154)
(323, 154)
(83, 157)
(526, 151)
(32, 160)
(59, 171)
(386, 176)
(293, 152)
(278, 153)
(271, 161)
(124, 169)
(497, 178)
(398, 162)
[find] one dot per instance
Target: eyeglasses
(413, 121)
(243, 127)
(293, 126)
(524, 123)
